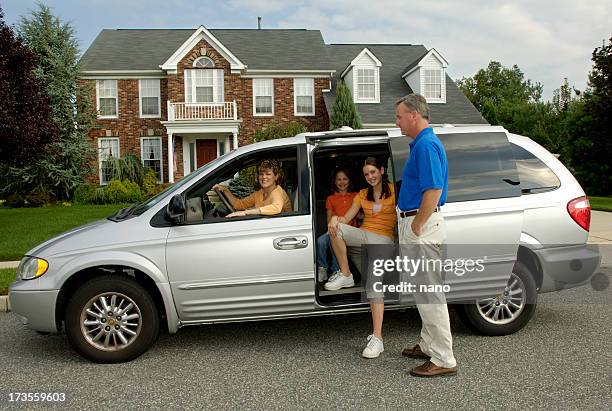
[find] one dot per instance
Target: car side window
(480, 167)
(204, 204)
(535, 176)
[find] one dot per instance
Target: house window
(108, 148)
(263, 97)
(303, 90)
(151, 155)
(106, 92)
(203, 86)
(150, 104)
(432, 85)
(366, 84)
(204, 62)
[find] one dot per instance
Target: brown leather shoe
(429, 369)
(414, 352)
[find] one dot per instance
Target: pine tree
(344, 111)
(67, 162)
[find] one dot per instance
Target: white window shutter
(218, 86)
(188, 85)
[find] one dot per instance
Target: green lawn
(23, 228)
(7, 276)
(601, 203)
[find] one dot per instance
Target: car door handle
(290, 243)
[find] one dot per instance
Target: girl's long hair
(386, 191)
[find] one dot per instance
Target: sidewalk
(9, 264)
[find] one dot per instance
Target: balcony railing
(202, 111)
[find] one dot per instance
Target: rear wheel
(111, 319)
(507, 312)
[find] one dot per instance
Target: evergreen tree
(590, 144)
(344, 111)
(68, 161)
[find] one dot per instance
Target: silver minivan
(175, 260)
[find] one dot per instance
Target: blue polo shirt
(425, 169)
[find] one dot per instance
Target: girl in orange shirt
(337, 204)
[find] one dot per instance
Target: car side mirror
(175, 210)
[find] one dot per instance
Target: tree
(279, 130)
(504, 97)
(590, 145)
(26, 124)
(344, 111)
(68, 161)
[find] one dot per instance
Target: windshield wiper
(123, 213)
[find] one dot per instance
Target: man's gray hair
(415, 102)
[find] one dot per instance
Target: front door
(206, 151)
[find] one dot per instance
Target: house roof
(283, 49)
(395, 58)
(266, 49)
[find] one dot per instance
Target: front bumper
(37, 308)
(567, 266)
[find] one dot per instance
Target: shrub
(15, 200)
(37, 199)
(115, 192)
(134, 195)
(126, 168)
(149, 183)
(85, 194)
(279, 130)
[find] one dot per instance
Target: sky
(548, 40)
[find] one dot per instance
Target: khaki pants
(436, 339)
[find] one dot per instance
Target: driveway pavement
(560, 360)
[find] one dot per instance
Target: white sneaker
(338, 281)
(321, 274)
(374, 347)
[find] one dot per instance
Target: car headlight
(32, 267)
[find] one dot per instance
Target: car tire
(111, 319)
(480, 316)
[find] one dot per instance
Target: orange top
(339, 204)
(277, 202)
(380, 218)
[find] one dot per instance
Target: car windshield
(138, 209)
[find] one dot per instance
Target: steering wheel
(224, 200)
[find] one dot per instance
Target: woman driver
(270, 199)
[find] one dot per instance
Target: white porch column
(170, 159)
(235, 135)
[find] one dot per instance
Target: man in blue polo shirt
(421, 227)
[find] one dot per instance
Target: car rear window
(535, 176)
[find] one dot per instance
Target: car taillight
(580, 211)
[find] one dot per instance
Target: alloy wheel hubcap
(111, 321)
(507, 306)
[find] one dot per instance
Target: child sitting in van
(337, 204)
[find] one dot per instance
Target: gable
(201, 34)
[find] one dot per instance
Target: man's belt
(410, 213)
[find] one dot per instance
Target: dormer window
(204, 62)
(366, 84)
(427, 76)
(432, 84)
(362, 76)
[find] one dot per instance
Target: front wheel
(111, 319)
(507, 312)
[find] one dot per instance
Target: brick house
(200, 93)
